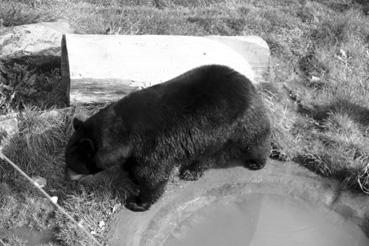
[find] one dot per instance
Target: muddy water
(262, 219)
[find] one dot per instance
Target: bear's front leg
(151, 181)
(147, 196)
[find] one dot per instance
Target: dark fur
(203, 118)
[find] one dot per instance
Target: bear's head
(80, 152)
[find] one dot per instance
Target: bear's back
(212, 91)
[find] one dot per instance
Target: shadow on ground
(320, 113)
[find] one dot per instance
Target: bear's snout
(72, 175)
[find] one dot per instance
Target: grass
(317, 99)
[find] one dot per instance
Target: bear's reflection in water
(266, 220)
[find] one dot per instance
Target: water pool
(265, 219)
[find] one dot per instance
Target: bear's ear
(77, 124)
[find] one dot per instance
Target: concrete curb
(285, 179)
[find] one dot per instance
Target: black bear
(203, 118)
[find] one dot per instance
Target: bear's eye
(87, 146)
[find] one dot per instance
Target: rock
(54, 199)
(34, 40)
(33, 50)
(343, 54)
(101, 224)
(116, 207)
(8, 125)
(39, 181)
(314, 79)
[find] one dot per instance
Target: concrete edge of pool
(277, 178)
